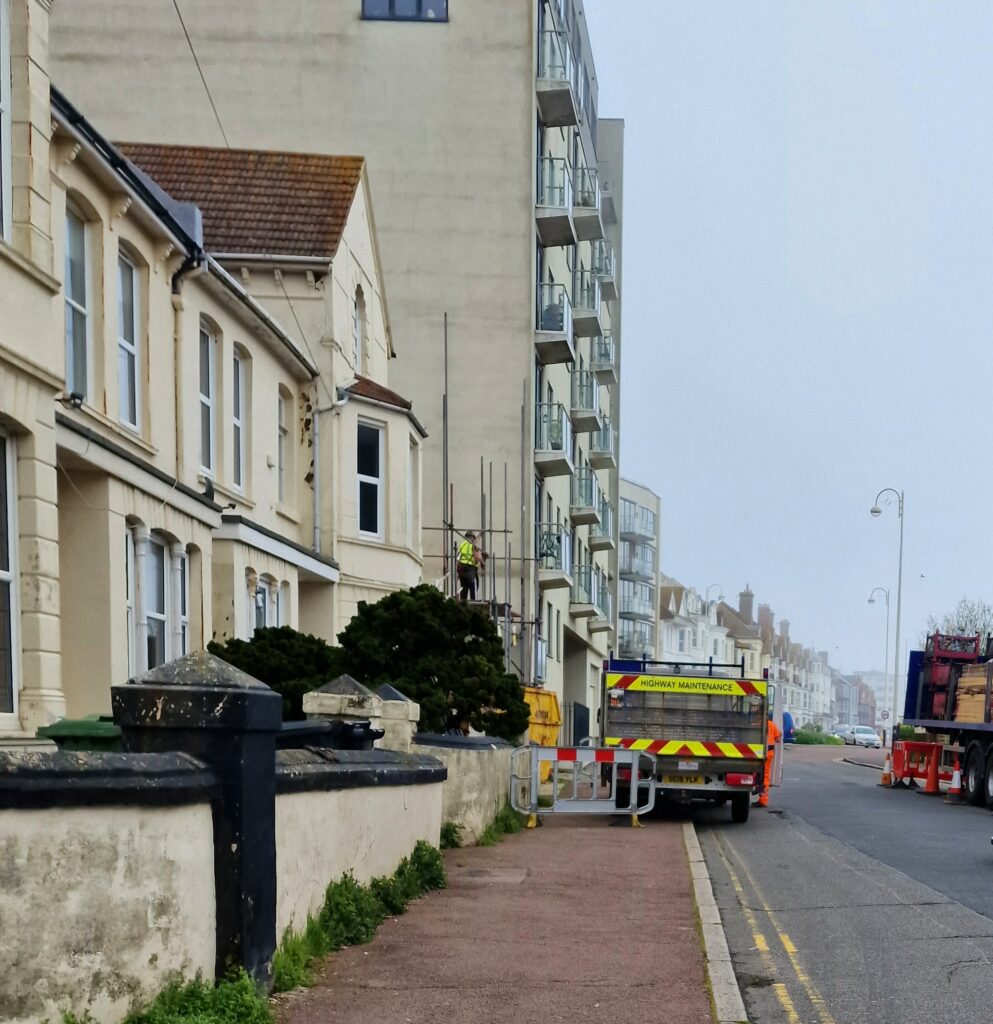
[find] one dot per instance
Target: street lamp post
(876, 512)
(720, 592)
(886, 655)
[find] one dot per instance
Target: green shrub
(507, 821)
(391, 893)
(236, 1001)
(451, 835)
(428, 866)
(351, 913)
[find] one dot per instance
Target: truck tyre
(988, 779)
(741, 806)
(974, 777)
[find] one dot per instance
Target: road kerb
(862, 764)
(729, 1008)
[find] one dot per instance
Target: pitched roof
(255, 201)
(736, 625)
(366, 388)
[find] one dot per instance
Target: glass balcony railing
(603, 442)
(540, 659)
(555, 63)
(634, 641)
(554, 183)
(603, 258)
(637, 560)
(638, 522)
(585, 489)
(637, 600)
(586, 290)
(604, 530)
(604, 601)
(554, 547)
(587, 190)
(585, 391)
(553, 428)
(554, 309)
(603, 356)
(584, 585)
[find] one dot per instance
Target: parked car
(844, 732)
(789, 729)
(866, 736)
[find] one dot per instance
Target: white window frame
(184, 604)
(358, 324)
(124, 347)
(379, 482)
(11, 576)
(156, 544)
(6, 162)
(208, 400)
(130, 599)
(282, 447)
(238, 377)
(73, 385)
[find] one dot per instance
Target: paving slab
(576, 921)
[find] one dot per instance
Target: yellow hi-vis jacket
(467, 553)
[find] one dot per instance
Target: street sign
(884, 715)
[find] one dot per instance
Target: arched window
(358, 329)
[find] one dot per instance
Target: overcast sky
(808, 297)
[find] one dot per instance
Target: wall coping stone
(319, 768)
(35, 781)
(438, 739)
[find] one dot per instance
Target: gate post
(204, 707)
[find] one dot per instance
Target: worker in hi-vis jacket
(772, 735)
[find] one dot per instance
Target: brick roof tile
(256, 201)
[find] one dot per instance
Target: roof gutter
(262, 314)
(409, 413)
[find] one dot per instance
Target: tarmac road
(850, 904)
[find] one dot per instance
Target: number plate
(682, 780)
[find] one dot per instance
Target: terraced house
(499, 204)
(175, 464)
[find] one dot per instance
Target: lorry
(948, 702)
(705, 724)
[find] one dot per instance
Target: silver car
(866, 736)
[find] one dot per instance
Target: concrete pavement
(579, 921)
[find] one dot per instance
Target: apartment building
(638, 566)
(488, 165)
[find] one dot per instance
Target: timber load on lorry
(949, 701)
(705, 724)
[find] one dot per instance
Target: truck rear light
(738, 779)
(623, 774)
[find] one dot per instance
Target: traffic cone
(931, 786)
(955, 790)
(887, 776)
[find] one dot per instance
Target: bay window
(370, 479)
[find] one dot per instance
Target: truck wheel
(974, 777)
(741, 805)
(988, 780)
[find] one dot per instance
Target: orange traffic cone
(887, 776)
(955, 790)
(931, 786)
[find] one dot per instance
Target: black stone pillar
(207, 708)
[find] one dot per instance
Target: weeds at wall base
(506, 822)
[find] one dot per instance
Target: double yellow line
(762, 944)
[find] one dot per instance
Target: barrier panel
(580, 780)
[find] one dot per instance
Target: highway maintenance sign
(708, 685)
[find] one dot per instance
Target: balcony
(584, 593)
(637, 562)
(584, 502)
(636, 643)
(603, 446)
(602, 534)
(638, 525)
(552, 440)
(553, 340)
(637, 601)
(605, 268)
(586, 304)
(607, 206)
(586, 205)
(604, 358)
(553, 203)
(603, 618)
(558, 106)
(585, 402)
(554, 556)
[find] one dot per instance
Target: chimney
(766, 618)
(745, 604)
(784, 629)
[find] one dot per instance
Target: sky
(807, 299)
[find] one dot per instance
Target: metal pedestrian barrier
(581, 780)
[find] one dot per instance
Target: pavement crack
(953, 968)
